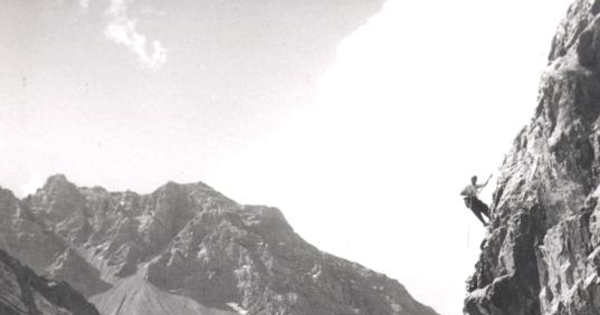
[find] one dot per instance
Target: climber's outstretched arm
(480, 186)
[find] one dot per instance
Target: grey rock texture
(187, 249)
(542, 251)
(22, 292)
(38, 244)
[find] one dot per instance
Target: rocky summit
(542, 251)
(186, 250)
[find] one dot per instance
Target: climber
(470, 193)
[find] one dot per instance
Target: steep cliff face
(22, 292)
(542, 251)
(187, 249)
(38, 244)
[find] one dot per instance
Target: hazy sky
(364, 143)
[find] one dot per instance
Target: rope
(469, 226)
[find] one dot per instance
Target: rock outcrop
(187, 249)
(22, 292)
(542, 251)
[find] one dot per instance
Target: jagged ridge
(188, 248)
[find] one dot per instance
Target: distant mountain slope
(135, 295)
(22, 292)
(187, 249)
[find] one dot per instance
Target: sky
(360, 120)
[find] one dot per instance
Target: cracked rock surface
(542, 251)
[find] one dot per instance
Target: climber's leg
(475, 205)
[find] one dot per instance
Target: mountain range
(185, 249)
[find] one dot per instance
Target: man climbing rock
(472, 202)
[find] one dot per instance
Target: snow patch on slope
(236, 307)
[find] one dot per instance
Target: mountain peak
(190, 186)
(57, 178)
(58, 183)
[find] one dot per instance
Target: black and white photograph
(299, 157)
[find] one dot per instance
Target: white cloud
(122, 30)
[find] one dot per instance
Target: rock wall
(542, 254)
